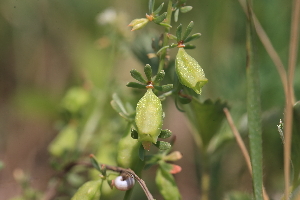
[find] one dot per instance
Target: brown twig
(288, 118)
(132, 174)
(242, 146)
(52, 189)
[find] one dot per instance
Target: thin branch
(268, 46)
(242, 146)
(52, 190)
(288, 118)
(132, 174)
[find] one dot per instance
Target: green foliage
(65, 141)
(166, 183)
(207, 118)
(88, 191)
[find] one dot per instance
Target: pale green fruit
(138, 23)
(149, 117)
(189, 71)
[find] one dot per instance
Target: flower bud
(189, 72)
(149, 117)
(138, 23)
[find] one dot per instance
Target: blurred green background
(46, 47)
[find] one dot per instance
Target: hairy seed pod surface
(149, 117)
(189, 72)
(122, 184)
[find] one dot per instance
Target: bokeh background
(48, 47)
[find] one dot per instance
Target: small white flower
(108, 16)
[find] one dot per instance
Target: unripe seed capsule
(189, 71)
(149, 117)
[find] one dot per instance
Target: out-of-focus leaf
(95, 163)
(1, 165)
(156, 12)
(88, 191)
(166, 183)
(237, 196)
(75, 99)
(64, 141)
(142, 153)
(128, 151)
(176, 14)
(186, 9)
(206, 117)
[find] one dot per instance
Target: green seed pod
(149, 117)
(138, 23)
(189, 72)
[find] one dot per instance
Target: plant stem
(288, 118)
(254, 111)
(165, 39)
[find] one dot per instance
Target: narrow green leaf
(137, 76)
(188, 30)
(142, 153)
(162, 145)
(159, 77)
(157, 11)
(165, 25)
(165, 134)
(136, 85)
(178, 33)
(189, 46)
(117, 104)
(172, 37)
(95, 163)
(151, 6)
(185, 9)
(160, 18)
(148, 72)
(163, 48)
(176, 14)
(164, 88)
(166, 183)
(88, 191)
(254, 114)
(192, 37)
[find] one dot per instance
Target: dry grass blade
(288, 118)
(242, 146)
